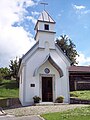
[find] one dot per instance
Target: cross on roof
(43, 3)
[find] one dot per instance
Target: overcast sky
(18, 18)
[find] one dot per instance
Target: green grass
(85, 94)
(76, 114)
(9, 89)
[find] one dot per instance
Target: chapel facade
(44, 68)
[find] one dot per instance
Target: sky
(18, 19)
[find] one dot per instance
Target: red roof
(79, 69)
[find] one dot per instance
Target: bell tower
(45, 33)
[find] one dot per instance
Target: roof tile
(79, 69)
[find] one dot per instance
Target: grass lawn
(75, 114)
(9, 89)
(85, 94)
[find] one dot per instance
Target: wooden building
(79, 78)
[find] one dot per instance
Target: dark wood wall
(79, 81)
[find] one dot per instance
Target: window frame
(46, 26)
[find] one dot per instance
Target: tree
(14, 68)
(68, 47)
(4, 73)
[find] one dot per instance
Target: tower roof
(45, 17)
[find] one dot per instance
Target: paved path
(32, 117)
(32, 112)
(38, 110)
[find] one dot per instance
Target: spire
(45, 17)
(45, 31)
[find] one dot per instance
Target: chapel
(44, 68)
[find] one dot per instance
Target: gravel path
(32, 117)
(37, 110)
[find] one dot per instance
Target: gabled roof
(45, 17)
(53, 63)
(81, 69)
(32, 50)
(35, 46)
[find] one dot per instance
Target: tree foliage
(68, 47)
(12, 71)
(4, 73)
(14, 67)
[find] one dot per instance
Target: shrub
(59, 99)
(36, 99)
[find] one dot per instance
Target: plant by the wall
(59, 99)
(36, 99)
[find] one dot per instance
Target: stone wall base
(10, 102)
(79, 101)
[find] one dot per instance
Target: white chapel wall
(60, 84)
(41, 26)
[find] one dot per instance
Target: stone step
(49, 103)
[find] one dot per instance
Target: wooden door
(47, 92)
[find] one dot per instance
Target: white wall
(46, 37)
(21, 86)
(31, 65)
(40, 26)
(61, 84)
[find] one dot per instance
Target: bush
(36, 99)
(59, 99)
